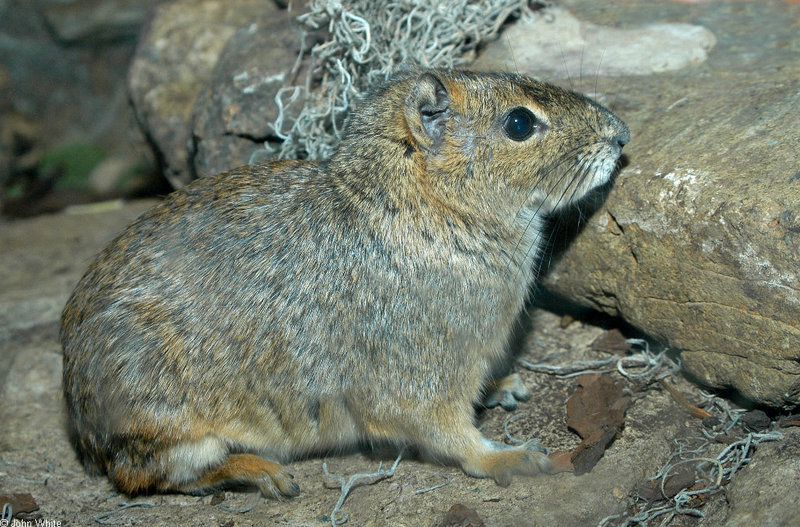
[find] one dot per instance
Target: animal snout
(620, 134)
(623, 136)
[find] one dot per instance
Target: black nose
(623, 136)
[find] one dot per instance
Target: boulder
(233, 117)
(553, 41)
(93, 21)
(174, 62)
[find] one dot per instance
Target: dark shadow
(565, 225)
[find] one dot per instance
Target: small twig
(240, 510)
(508, 422)
(100, 518)
(440, 485)
(676, 103)
(656, 365)
(695, 411)
(568, 370)
(353, 481)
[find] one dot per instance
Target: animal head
(486, 141)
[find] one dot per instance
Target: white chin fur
(601, 170)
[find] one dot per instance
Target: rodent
(297, 307)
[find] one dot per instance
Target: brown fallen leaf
(611, 341)
(789, 420)
(756, 420)
(461, 516)
(682, 477)
(586, 455)
(596, 411)
(562, 461)
(19, 502)
(598, 400)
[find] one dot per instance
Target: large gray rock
(92, 21)
(232, 118)
(173, 64)
(698, 242)
(553, 41)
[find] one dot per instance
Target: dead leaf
(682, 477)
(596, 411)
(586, 455)
(756, 420)
(19, 502)
(562, 461)
(461, 516)
(789, 420)
(611, 341)
(598, 400)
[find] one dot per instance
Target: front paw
(507, 392)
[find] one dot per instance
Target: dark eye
(520, 124)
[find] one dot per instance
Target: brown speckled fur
(289, 308)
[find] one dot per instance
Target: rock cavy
(299, 307)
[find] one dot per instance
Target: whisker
(579, 174)
(563, 160)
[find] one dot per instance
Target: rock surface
(233, 116)
(94, 21)
(555, 41)
(174, 64)
(761, 496)
(698, 242)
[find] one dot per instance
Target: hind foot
(272, 479)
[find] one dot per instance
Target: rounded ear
(426, 111)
